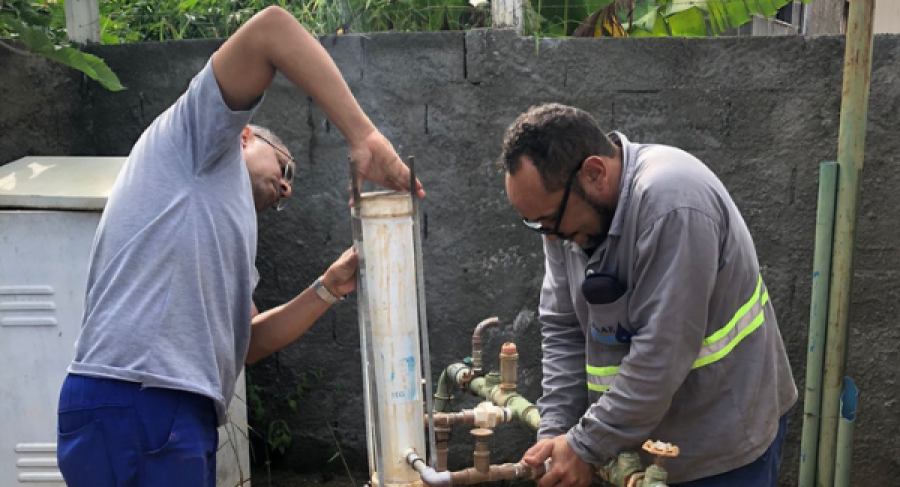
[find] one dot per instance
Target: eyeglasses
(287, 172)
(537, 227)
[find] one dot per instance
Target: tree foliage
(40, 26)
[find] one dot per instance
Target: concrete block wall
(761, 112)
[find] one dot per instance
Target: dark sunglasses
(537, 227)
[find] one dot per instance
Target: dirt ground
(285, 478)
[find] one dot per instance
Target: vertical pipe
(442, 446)
(442, 393)
(849, 399)
(482, 455)
(851, 145)
(418, 235)
(365, 326)
(478, 341)
(387, 228)
(818, 321)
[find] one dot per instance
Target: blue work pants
(114, 433)
(762, 472)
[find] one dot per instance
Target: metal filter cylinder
(395, 396)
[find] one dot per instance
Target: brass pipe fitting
(477, 342)
(464, 417)
(482, 452)
(441, 446)
(506, 471)
(509, 364)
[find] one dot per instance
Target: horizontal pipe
(506, 471)
(469, 476)
(466, 417)
(522, 409)
(469, 417)
(430, 476)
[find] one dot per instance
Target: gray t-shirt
(169, 294)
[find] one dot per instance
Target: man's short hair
(282, 153)
(269, 135)
(556, 138)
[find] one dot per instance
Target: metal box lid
(59, 183)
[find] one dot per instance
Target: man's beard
(604, 213)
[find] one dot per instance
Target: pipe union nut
(488, 415)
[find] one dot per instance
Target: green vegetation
(270, 408)
(643, 18)
(40, 26)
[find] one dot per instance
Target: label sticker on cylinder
(403, 381)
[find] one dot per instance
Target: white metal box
(49, 211)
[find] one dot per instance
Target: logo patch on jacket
(610, 335)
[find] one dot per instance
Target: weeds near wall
(233, 429)
(272, 409)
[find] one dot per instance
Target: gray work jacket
(691, 352)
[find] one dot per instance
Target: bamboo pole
(851, 145)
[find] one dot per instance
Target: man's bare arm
(273, 40)
(280, 326)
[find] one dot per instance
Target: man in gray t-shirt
(169, 319)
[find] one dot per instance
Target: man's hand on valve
(567, 469)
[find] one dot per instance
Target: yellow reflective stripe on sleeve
(718, 335)
(748, 318)
(740, 334)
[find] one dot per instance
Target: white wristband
(324, 293)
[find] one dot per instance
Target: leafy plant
(146, 20)
(40, 28)
(40, 25)
(642, 18)
(279, 436)
(254, 401)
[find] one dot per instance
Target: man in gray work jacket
(656, 321)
